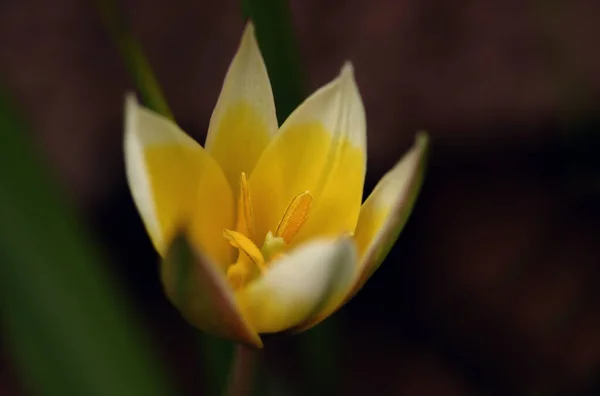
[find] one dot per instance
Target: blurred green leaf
(216, 353)
(69, 329)
(137, 64)
(275, 35)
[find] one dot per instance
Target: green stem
(242, 373)
(112, 14)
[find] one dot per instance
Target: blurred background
(492, 288)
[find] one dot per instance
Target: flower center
(251, 260)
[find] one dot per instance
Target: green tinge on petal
(197, 288)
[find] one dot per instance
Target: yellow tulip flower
(270, 217)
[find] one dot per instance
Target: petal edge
(397, 192)
(320, 148)
(384, 230)
(300, 284)
(200, 292)
(172, 180)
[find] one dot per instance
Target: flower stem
(242, 373)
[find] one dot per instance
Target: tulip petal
(202, 295)
(299, 284)
(174, 181)
(321, 148)
(386, 210)
(244, 118)
(382, 217)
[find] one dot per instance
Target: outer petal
(299, 285)
(382, 217)
(174, 181)
(244, 118)
(385, 212)
(202, 294)
(321, 148)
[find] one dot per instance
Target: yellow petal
(321, 149)
(382, 217)
(244, 118)
(299, 284)
(202, 295)
(174, 182)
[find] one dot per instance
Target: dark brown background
(493, 286)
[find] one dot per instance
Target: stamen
(250, 261)
(245, 222)
(294, 217)
(245, 245)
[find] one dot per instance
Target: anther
(294, 217)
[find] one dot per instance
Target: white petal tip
(249, 29)
(131, 105)
(338, 107)
(249, 37)
(422, 139)
(420, 146)
(346, 77)
(130, 96)
(131, 101)
(347, 70)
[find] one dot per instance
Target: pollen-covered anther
(294, 217)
